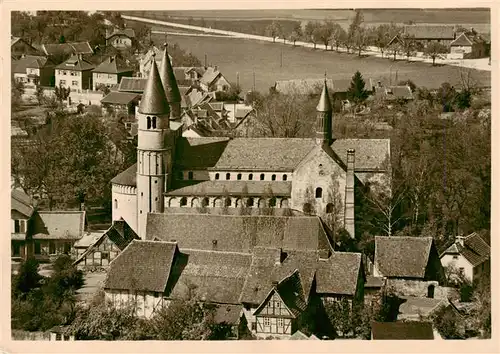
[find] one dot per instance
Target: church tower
(324, 119)
(153, 158)
(170, 85)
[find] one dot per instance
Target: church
(239, 176)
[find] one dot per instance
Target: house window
(266, 321)
(228, 176)
(238, 176)
(262, 176)
(329, 208)
(285, 177)
(254, 326)
(461, 270)
(62, 82)
(273, 177)
(455, 257)
(105, 255)
(154, 122)
(52, 248)
(67, 247)
(216, 176)
(183, 201)
(38, 247)
(190, 175)
(16, 249)
(181, 175)
(280, 322)
(250, 176)
(319, 192)
(17, 226)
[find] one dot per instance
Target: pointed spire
(168, 78)
(154, 100)
(324, 104)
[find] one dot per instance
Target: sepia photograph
(250, 174)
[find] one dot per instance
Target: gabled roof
(370, 154)
(113, 65)
(461, 40)
(127, 177)
(30, 61)
(264, 154)
(154, 99)
(60, 225)
(395, 92)
(132, 84)
(201, 152)
(338, 274)
(67, 48)
(402, 330)
(234, 188)
(402, 256)
(128, 32)
(430, 31)
(76, 63)
(475, 250)
(142, 266)
(21, 202)
(120, 97)
(235, 233)
(210, 75)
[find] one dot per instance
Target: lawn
(245, 57)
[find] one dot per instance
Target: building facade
(75, 74)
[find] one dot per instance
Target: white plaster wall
(256, 175)
(198, 175)
(447, 260)
(126, 204)
(102, 78)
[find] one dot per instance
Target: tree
(361, 39)
(40, 95)
(27, 279)
(325, 31)
(62, 93)
(340, 316)
(334, 209)
(382, 37)
(233, 94)
(408, 83)
(296, 33)
(65, 280)
(356, 92)
(434, 50)
(309, 30)
(408, 46)
(274, 30)
(354, 29)
(17, 90)
(103, 88)
(338, 36)
(394, 48)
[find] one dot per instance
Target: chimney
(280, 256)
(349, 195)
(82, 206)
(459, 240)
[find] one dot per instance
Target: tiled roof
(229, 314)
(120, 97)
(242, 112)
(142, 266)
(30, 61)
(234, 188)
(395, 92)
(154, 99)
(67, 48)
(412, 306)
(21, 202)
(430, 31)
(291, 292)
(238, 233)
(338, 274)
(370, 154)
(60, 225)
(113, 65)
(213, 276)
(209, 76)
(129, 32)
(402, 256)
(199, 152)
(461, 40)
(474, 249)
(88, 239)
(402, 330)
(14, 40)
(374, 282)
(264, 154)
(76, 63)
(132, 84)
(127, 177)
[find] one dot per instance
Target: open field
(244, 56)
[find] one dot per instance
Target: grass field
(245, 57)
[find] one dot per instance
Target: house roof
(229, 314)
(219, 188)
(370, 154)
(132, 84)
(395, 92)
(127, 177)
(402, 256)
(209, 76)
(302, 86)
(30, 61)
(475, 250)
(88, 239)
(374, 282)
(338, 274)
(168, 78)
(116, 97)
(413, 307)
(430, 31)
(264, 154)
(154, 99)
(76, 63)
(143, 266)
(199, 152)
(462, 40)
(402, 330)
(21, 202)
(60, 225)
(213, 276)
(67, 48)
(237, 233)
(113, 65)
(128, 32)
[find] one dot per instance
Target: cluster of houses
(242, 223)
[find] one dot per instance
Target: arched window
(272, 202)
(216, 176)
(262, 176)
(285, 177)
(319, 192)
(329, 208)
(250, 176)
(250, 202)
(190, 175)
(116, 204)
(181, 175)
(239, 176)
(154, 122)
(227, 202)
(228, 176)
(430, 291)
(204, 202)
(273, 177)
(183, 201)
(148, 122)
(307, 208)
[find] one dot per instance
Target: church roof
(127, 177)
(197, 153)
(154, 99)
(324, 104)
(168, 79)
(238, 233)
(219, 188)
(264, 154)
(370, 154)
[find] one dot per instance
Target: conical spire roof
(154, 100)
(168, 78)
(324, 104)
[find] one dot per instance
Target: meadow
(247, 57)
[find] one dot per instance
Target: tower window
(239, 176)
(250, 202)
(116, 204)
(262, 176)
(154, 122)
(319, 192)
(285, 177)
(250, 176)
(216, 176)
(272, 202)
(273, 177)
(190, 175)
(204, 202)
(228, 175)
(148, 122)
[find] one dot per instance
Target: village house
(410, 265)
(121, 38)
(120, 103)
(189, 75)
(213, 81)
(110, 72)
(75, 74)
(59, 52)
(19, 47)
(391, 93)
(42, 234)
(33, 71)
(469, 255)
(145, 61)
(469, 45)
(425, 34)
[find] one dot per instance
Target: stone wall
(419, 288)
